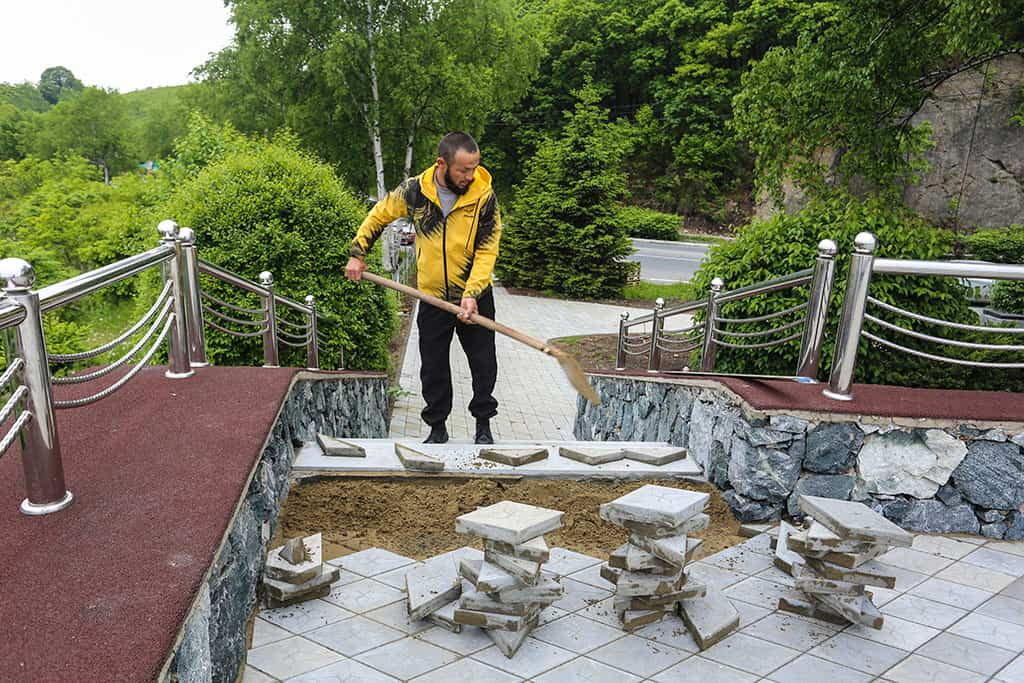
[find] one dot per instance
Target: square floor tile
(603, 612)
(950, 593)
(577, 633)
(396, 615)
(583, 670)
(592, 576)
(976, 577)
(792, 631)
(577, 595)
(705, 671)
(1004, 563)
(1012, 547)
(750, 654)
(776, 575)
(305, 616)
(858, 653)
(533, 658)
(467, 670)
(407, 658)
(711, 575)
(372, 562)
(918, 669)
(1005, 608)
(669, 631)
(549, 614)
(739, 559)
(992, 631)
(942, 545)
(758, 592)
(564, 562)
(345, 671)
(915, 560)
(1014, 590)
(251, 675)
(264, 633)
(762, 543)
(923, 611)
(467, 641)
(905, 578)
(396, 577)
(899, 633)
(967, 654)
(749, 614)
(1013, 672)
(363, 596)
(290, 657)
(355, 635)
(638, 655)
(807, 669)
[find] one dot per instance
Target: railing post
(620, 354)
(270, 355)
(854, 302)
(312, 348)
(707, 356)
(40, 444)
(178, 366)
(193, 300)
(657, 323)
(817, 310)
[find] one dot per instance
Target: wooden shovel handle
(481, 320)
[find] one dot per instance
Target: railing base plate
(30, 508)
(836, 397)
(179, 375)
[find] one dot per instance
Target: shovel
(569, 364)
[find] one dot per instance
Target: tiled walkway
(535, 400)
(956, 615)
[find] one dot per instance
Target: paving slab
(535, 550)
(514, 457)
(654, 455)
(676, 550)
(695, 524)
(656, 505)
(283, 591)
(592, 456)
(852, 520)
(710, 618)
(413, 459)
(465, 458)
(332, 446)
(509, 522)
(281, 569)
(431, 586)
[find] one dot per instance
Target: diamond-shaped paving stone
(264, 633)
(467, 670)
(345, 671)
(412, 459)
(396, 615)
(469, 640)
(431, 586)
(858, 653)
(514, 456)
(810, 668)
(705, 671)
(852, 520)
(564, 562)
(655, 455)
(918, 668)
(372, 562)
(592, 456)
(509, 522)
(640, 655)
(652, 504)
(750, 654)
(334, 446)
(533, 658)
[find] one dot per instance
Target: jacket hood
(480, 186)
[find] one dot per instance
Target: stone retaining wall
(932, 476)
(213, 639)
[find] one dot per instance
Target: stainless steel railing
(178, 316)
(857, 299)
(808, 324)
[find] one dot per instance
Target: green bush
(563, 235)
(271, 207)
(649, 224)
(784, 244)
(1001, 245)
(1008, 296)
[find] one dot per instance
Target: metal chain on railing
(762, 345)
(764, 333)
(231, 319)
(940, 340)
(80, 379)
(12, 402)
(943, 323)
(85, 355)
(762, 318)
(12, 433)
(238, 309)
(943, 359)
(79, 402)
(17, 364)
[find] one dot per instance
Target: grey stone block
(989, 516)
(832, 447)
(749, 510)
(788, 423)
(762, 473)
(949, 496)
(931, 516)
(838, 486)
(994, 530)
(1015, 531)
(992, 475)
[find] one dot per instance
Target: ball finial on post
(19, 274)
(168, 229)
(864, 243)
(266, 278)
(827, 248)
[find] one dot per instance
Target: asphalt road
(664, 262)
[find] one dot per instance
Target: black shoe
(483, 432)
(438, 434)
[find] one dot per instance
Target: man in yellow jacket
(458, 228)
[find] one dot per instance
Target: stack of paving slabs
(827, 557)
(649, 570)
(296, 572)
(432, 592)
(508, 587)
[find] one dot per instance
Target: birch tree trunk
(373, 117)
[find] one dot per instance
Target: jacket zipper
(444, 255)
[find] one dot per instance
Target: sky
(122, 44)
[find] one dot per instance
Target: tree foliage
(563, 235)
(853, 82)
(57, 82)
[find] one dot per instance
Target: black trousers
(435, 329)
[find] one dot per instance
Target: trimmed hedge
(649, 224)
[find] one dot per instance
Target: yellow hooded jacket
(455, 255)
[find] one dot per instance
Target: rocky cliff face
(976, 174)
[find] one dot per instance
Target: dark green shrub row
(649, 224)
(1002, 245)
